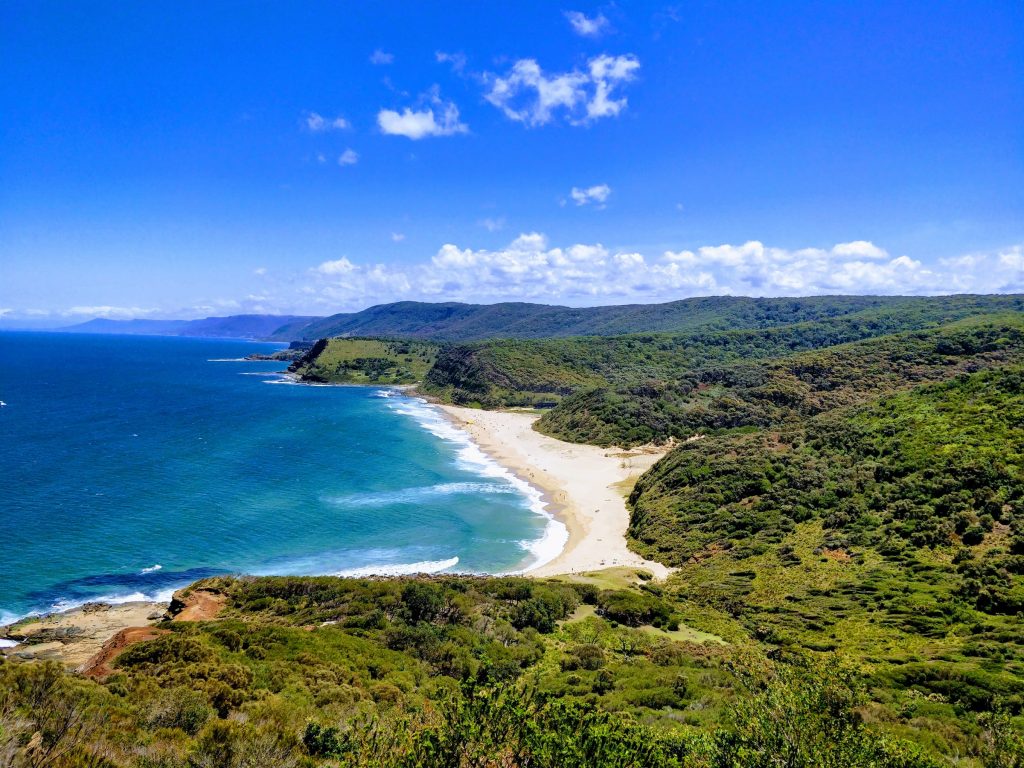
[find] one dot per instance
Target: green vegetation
(847, 530)
(365, 361)
(454, 321)
(452, 672)
(890, 532)
(541, 372)
(773, 392)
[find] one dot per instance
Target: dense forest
(456, 322)
(763, 393)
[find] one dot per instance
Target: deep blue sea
(130, 466)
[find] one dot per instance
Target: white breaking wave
(417, 495)
(399, 569)
(471, 457)
(61, 606)
(229, 360)
(152, 569)
(4, 643)
(161, 596)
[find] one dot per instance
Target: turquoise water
(130, 466)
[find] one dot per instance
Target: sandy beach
(585, 485)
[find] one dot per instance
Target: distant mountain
(452, 321)
(135, 327)
(263, 327)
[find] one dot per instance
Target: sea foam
(418, 495)
(399, 569)
(470, 457)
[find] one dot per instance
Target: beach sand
(585, 485)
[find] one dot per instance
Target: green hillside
(542, 371)
(776, 391)
(439, 672)
(890, 532)
(365, 361)
(453, 321)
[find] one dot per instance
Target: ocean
(131, 466)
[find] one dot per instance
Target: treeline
(769, 393)
(540, 372)
(458, 322)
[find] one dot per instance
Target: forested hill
(712, 397)
(467, 322)
(541, 371)
(891, 532)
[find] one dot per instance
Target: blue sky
(184, 159)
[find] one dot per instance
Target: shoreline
(74, 636)
(584, 487)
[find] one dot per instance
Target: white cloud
(457, 61)
(527, 95)
(597, 194)
(585, 26)
(531, 269)
(348, 157)
(859, 248)
(397, 237)
(440, 118)
(379, 57)
(260, 271)
(317, 123)
(5, 311)
(340, 266)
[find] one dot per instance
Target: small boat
(2, 403)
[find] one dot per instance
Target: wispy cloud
(597, 194)
(493, 224)
(436, 118)
(397, 237)
(109, 312)
(348, 157)
(586, 26)
(379, 57)
(528, 95)
(317, 123)
(457, 61)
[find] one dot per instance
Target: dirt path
(99, 665)
(199, 605)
